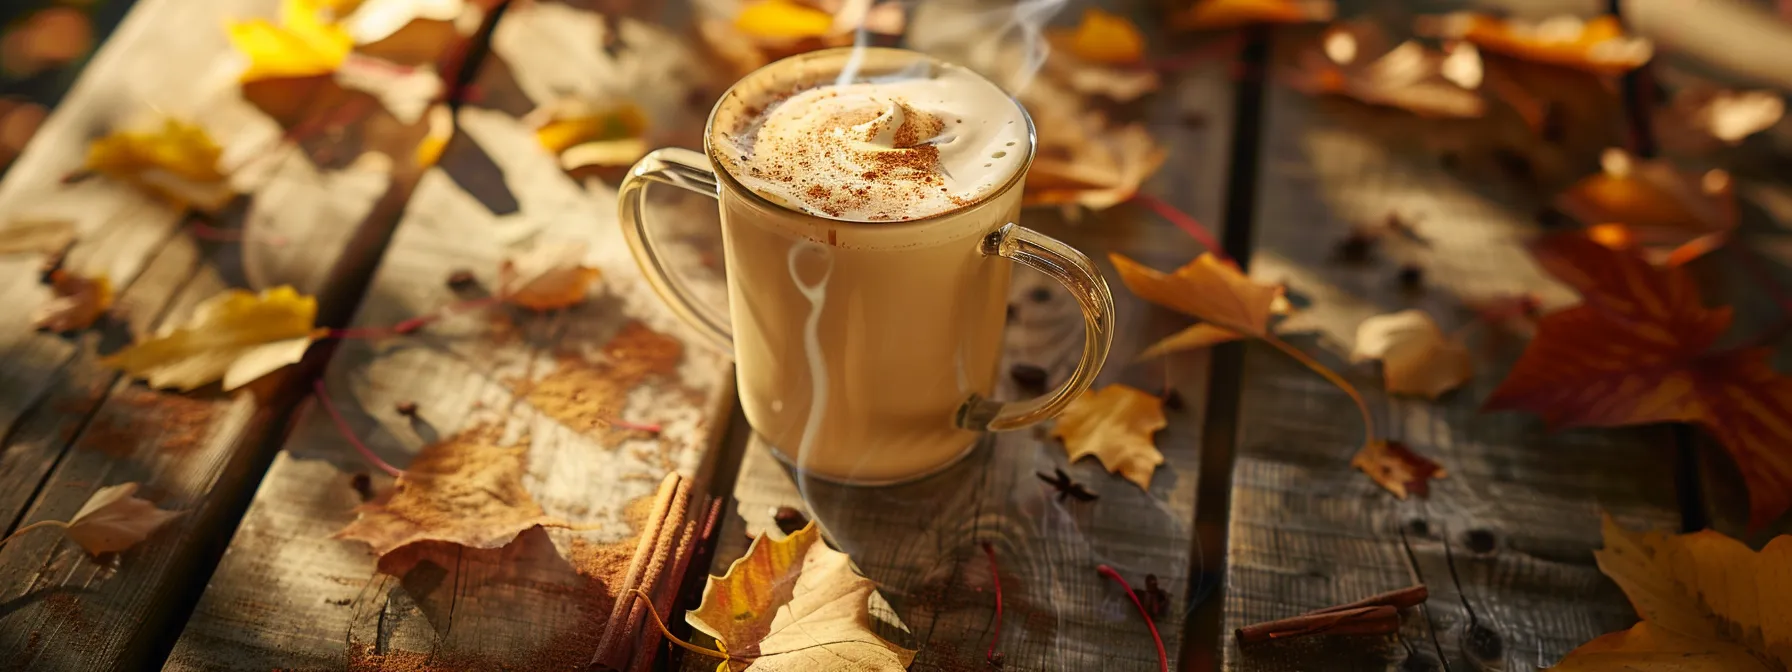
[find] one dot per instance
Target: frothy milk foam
(859, 331)
(894, 148)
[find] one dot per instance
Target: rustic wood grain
(73, 427)
(921, 542)
(1504, 541)
(287, 595)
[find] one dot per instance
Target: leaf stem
(1163, 661)
(323, 397)
(414, 323)
(1183, 221)
(668, 633)
(1330, 376)
(33, 526)
(995, 573)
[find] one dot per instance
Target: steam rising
(1006, 44)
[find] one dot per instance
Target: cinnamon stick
(612, 650)
(1377, 620)
(665, 588)
(1399, 599)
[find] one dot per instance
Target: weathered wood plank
(286, 595)
(73, 427)
(921, 542)
(1504, 540)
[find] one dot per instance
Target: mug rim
(721, 167)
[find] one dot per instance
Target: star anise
(1066, 487)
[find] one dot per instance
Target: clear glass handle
(684, 169)
(1072, 268)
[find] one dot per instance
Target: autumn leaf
(78, 300)
(178, 162)
(464, 489)
(1102, 37)
(1211, 290)
(1397, 468)
(113, 519)
(1707, 602)
(1115, 425)
(1725, 116)
(1353, 62)
(301, 45)
(1637, 351)
(584, 134)
(1598, 45)
(236, 336)
(794, 604)
(767, 30)
(44, 236)
(1224, 14)
(1202, 335)
(1082, 157)
(1676, 214)
(405, 32)
(783, 20)
(1416, 357)
(549, 277)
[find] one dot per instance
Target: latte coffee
(869, 202)
(856, 339)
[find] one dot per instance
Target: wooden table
(1255, 514)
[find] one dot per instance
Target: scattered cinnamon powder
(585, 395)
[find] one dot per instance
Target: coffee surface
(890, 149)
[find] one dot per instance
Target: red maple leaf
(1637, 350)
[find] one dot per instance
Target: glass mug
(865, 352)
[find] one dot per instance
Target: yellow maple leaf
(78, 300)
(794, 604)
(1707, 602)
(237, 337)
(178, 162)
(302, 45)
(1102, 37)
(1416, 356)
(1115, 425)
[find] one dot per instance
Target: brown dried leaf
(548, 278)
(1206, 288)
(1082, 158)
(1598, 45)
(1115, 425)
(1397, 468)
(1354, 62)
(78, 301)
(1666, 209)
(464, 489)
(1416, 357)
(115, 519)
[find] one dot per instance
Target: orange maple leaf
(1635, 351)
